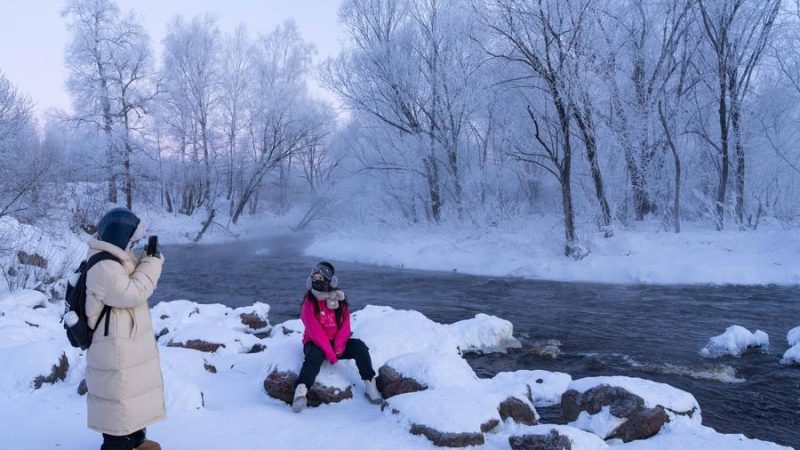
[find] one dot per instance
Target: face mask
(319, 285)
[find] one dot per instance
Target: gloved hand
(332, 358)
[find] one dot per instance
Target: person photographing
(123, 373)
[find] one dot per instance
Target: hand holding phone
(152, 247)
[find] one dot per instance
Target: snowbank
(216, 399)
(174, 228)
(34, 258)
(534, 249)
(735, 341)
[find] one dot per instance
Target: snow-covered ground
(218, 401)
(534, 249)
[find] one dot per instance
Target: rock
(164, 331)
(441, 439)
(210, 368)
(35, 259)
(58, 373)
(391, 383)
(39, 306)
(198, 344)
(253, 321)
(164, 316)
(82, 388)
(642, 425)
(32, 324)
(518, 411)
(552, 441)
(550, 348)
(257, 348)
(280, 385)
(454, 416)
(642, 422)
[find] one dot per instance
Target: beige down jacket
(123, 375)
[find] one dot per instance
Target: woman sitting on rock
(326, 318)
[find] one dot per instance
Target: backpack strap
(106, 312)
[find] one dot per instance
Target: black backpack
(80, 334)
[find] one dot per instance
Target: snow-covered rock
(545, 388)
(555, 437)
(448, 417)
(33, 344)
(280, 385)
(792, 355)
(210, 328)
(793, 336)
(391, 332)
(626, 408)
(484, 333)
(433, 369)
(735, 341)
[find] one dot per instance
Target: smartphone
(152, 246)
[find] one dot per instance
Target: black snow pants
(129, 442)
(354, 349)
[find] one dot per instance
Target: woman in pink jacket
(326, 318)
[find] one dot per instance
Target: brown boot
(149, 445)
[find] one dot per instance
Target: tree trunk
(128, 182)
(676, 207)
(740, 162)
(722, 188)
(565, 175)
(587, 132)
(211, 213)
(432, 177)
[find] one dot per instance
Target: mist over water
(651, 332)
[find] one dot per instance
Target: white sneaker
(372, 392)
(299, 402)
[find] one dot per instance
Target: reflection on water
(651, 332)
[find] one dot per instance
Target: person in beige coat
(123, 374)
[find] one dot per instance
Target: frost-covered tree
(191, 72)
(282, 119)
(23, 167)
(737, 33)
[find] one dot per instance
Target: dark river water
(651, 332)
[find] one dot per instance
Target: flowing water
(582, 329)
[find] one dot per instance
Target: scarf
(331, 298)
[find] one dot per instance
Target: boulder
(253, 321)
(443, 439)
(82, 388)
(198, 344)
(280, 385)
(391, 383)
(34, 259)
(518, 411)
(57, 373)
(257, 348)
(634, 417)
(551, 441)
(554, 437)
(457, 416)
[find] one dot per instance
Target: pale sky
(33, 34)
